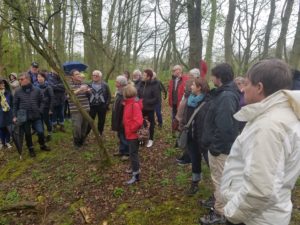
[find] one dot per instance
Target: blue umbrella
(68, 66)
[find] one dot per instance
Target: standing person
(58, 101)
(13, 82)
(99, 100)
(33, 72)
(296, 80)
(149, 93)
(6, 105)
(220, 131)
(117, 118)
(158, 106)
(176, 89)
(198, 99)
(263, 166)
(47, 98)
(27, 108)
(133, 120)
(137, 78)
(82, 93)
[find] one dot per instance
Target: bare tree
(269, 27)
(228, 31)
(295, 53)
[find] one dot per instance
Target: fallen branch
(20, 206)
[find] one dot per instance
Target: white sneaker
(8, 145)
(149, 144)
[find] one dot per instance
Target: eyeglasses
(20, 79)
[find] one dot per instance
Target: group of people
(247, 129)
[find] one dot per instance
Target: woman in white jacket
(263, 164)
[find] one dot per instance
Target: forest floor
(67, 187)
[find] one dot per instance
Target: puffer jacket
(58, 89)
(47, 95)
(132, 117)
(263, 164)
(149, 92)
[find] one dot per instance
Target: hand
(15, 119)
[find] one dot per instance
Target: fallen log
(24, 205)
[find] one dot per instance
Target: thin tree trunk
(228, 31)
(269, 28)
(211, 33)
(295, 54)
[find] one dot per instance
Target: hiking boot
(135, 178)
(212, 218)
(45, 148)
(32, 153)
(194, 188)
(209, 203)
(8, 145)
(182, 162)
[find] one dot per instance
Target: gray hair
(195, 72)
(98, 72)
(122, 80)
(137, 72)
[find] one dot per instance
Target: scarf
(194, 100)
(4, 104)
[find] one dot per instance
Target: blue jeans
(123, 147)
(158, 114)
(4, 135)
(58, 115)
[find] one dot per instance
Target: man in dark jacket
(117, 117)
(27, 109)
(58, 102)
(220, 131)
(296, 80)
(99, 99)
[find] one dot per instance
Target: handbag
(183, 136)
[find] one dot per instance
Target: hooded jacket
(263, 164)
(220, 128)
(132, 117)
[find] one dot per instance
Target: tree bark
(295, 54)
(269, 27)
(228, 31)
(211, 34)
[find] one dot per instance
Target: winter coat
(47, 95)
(28, 98)
(6, 117)
(132, 117)
(117, 113)
(149, 93)
(296, 80)
(101, 97)
(58, 89)
(220, 128)
(263, 165)
(180, 89)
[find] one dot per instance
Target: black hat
(35, 64)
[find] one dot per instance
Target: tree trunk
(58, 41)
(211, 34)
(194, 27)
(295, 54)
(228, 31)
(287, 8)
(269, 27)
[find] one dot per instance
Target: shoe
(45, 148)
(135, 178)
(124, 157)
(7, 145)
(149, 144)
(183, 162)
(209, 203)
(212, 218)
(117, 154)
(194, 188)
(62, 128)
(48, 138)
(32, 153)
(1, 146)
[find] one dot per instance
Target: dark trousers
(4, 135)
(134, 154)
(174, 111)
(99, 111)
(158, 114)
(195, 155)
(37, 125)
(123, 146)
(46, 120)
(79, 125)
(229, 223)
(67, 112)
(58, 115)
(149, 114)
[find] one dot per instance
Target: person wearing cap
(99, 99)
(82, 92)
(13, 82)
(6, 101)
(27, 108)
(117, 118)
(33, 72)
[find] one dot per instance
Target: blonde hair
(129, 91)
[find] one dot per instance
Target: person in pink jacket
(132, 121)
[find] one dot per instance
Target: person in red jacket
(176, 88)
(132, 120)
